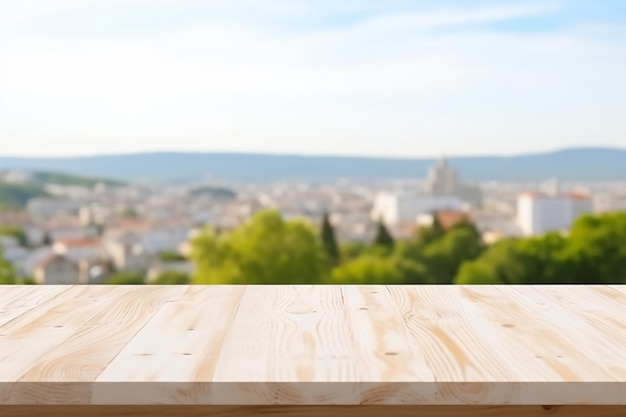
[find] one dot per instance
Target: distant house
(35, 236)
(73, 233)
(539, 213)
(450, 218)
(447, 219)
(403, 208)
(79, 249)
(58, 269)
(127, 252)
(164, 239)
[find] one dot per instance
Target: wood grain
(310, 411)
(551, 350)
(16, 300)
(304, 345)
(571, 321)
(39, 330)
(470, 367)
(383, 348)
(619, 288)
(180, 347)
(88, 351)
(296, 337)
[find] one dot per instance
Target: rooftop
(78, 242)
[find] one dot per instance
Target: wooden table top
(297, 345)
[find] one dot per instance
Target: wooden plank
(614, 295)
(381, 338)
(177, 348)
(16, 300)
(39, 330)
(619, 288)
(600, 307)
(10, 292)
(581, 317)
(303, 345)
(309, 411)
(289, 344)
(538, 343)
(466, 367)
(460, 330)
(85, 354)
(383, 348)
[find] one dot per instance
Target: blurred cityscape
(84, 231)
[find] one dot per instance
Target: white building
(128, 253)
(73, 233)
(405, 208)
(540, 213)
(159, 240)
(443, 180)
(59, 270)
(81, 249)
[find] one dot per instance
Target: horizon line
(300, 155)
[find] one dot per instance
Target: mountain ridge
(582, 163)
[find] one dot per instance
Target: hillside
(58, 178)
(568, 164)
(15, 196)
(69, 179)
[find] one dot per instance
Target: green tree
(172, 278)
(368, 270)
(597, 249)
(427, 235)
(16, 196)
(126, 278)
(412, 271)
(7, 275)
(329, 241)
(383, 238)
(351, 250)
(536, 260)
(445, 256)
(170, 256)
(500, 264)
(130, 213)
(545, 259)
(264, 250)
(27, 281)
(15, 232)
(407, 249)
(378, 251)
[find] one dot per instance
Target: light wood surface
(297, 345)
(311, 411)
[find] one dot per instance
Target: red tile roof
(449, 218)
(79, 242)
(578, 196)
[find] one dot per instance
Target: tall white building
(443, 180)
(541, 213)
(405, 208)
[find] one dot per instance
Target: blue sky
(351, 77)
